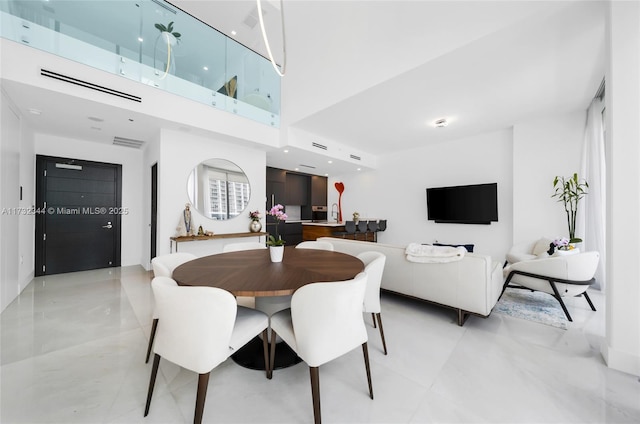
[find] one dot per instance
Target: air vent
(163, 5)
(308, 166)
(90, 85)
(252, 18)
(355, 157)
(319, 146)
(127, 142)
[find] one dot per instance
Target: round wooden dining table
(251, 273)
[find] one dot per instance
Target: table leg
(250, 356)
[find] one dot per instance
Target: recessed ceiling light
(96, 128)
(297, 169)
(206, 68)
(286, 151)
(440, 123)
(330, 161)
(233, 33)
(326, 175)
(35, 111)
(359, 169)
(140, 39)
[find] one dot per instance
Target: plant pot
(168, 38)
(276, 253)
(255, 226)
(559, 252)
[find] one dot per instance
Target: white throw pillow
(541, 246)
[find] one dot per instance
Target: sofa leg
(462, 317)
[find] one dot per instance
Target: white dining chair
(374, 267)
(201, 327)
(163, 266)
(237, 247)
(324, 322)
(320, 245)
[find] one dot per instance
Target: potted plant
(570, 191)
(168, 35)
(275, 243)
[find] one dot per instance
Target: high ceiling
(375, 75)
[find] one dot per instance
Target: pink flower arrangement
(255, 215)
(278, 213)
(562, 243)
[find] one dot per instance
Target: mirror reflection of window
(218, 189)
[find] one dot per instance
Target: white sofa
(471, 285)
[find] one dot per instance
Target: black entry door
(79, 213)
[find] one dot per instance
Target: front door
(78, 209)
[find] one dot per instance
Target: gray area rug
(532, 306)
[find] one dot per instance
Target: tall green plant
(570, 191)
(169, 29)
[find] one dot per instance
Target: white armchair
(560, 276)
(530, 250)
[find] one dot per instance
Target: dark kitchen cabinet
(318, 190)
(293, 233)
(276, 187)
(297, 186)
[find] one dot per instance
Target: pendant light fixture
(266, 41)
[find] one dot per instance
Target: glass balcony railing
(124, 37)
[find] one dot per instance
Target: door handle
(108, 225)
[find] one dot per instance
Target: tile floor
(73, 349)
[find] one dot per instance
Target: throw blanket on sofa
(433, 254)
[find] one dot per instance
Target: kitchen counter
(313, 230)
(324, 223)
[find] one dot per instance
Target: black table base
(251, 356)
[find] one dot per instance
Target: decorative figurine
(200, 231)
(185, 225)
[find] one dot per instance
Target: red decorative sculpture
(340, 188)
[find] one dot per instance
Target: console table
(183, 239)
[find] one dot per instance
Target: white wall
(397, 191)
(542, 149)
(132, 190)
(9, 201)
(622, 348)
(27, 224)
(180, 152)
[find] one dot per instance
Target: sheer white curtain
(592, 217)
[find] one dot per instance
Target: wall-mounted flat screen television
(468, 204)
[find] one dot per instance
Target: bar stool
(349, 230)
(382, 225)
(362, 229)
(372, 227)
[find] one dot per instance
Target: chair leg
(272, 357)
(365, 352)
(384, 343)
(265, 346)
(315, 393)
(373, 317)
(586, 296)
(203, 382)
(151, 337)
(152, 382)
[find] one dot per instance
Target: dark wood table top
(251, 272)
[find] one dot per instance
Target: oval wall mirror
(218, 189)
